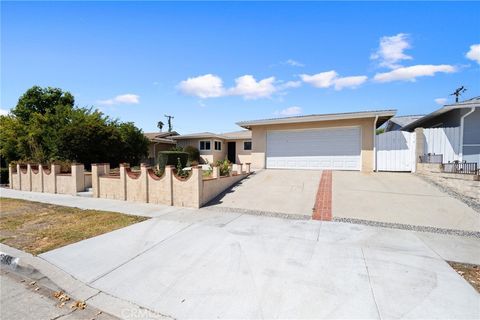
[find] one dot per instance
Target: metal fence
(461, 167)
(431, 158)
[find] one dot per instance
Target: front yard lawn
(38, 227)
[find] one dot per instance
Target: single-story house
(159, 141)
(234, 146)
(340, 141)
(398, 122)
(465, 115)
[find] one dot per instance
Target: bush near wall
(4, 176)
(170, 158)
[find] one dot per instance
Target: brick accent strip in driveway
(323, 203)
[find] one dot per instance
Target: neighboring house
(398, 122)
(234, 146)
(340, 141)
(466, 116)
(159, 141)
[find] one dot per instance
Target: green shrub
(193, 153)
(224, 167)
(170, 158)
(180, 172)
(4, 176)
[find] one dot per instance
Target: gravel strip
(463, 233)
(471, 202)
(282, 215)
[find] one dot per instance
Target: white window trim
(200, 142)
(219, 150)
(251, 145)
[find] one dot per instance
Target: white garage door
(330, 148)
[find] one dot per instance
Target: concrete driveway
(399, 198)
(212, 264)
(274, 191)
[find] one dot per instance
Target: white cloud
(320, 80)
(474, 53)
(291, 111)
(391, 50)
(246, 86)
(122, 99)
(289, 84)
(412, 72)
(294, 63)
(249, 88)
(206, 86)
(331, 79)
(4, 112)
(349, 82)
(441, 101)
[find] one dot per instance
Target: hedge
(166, 158)
(193, 153)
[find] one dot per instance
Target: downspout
(375, 144)
(461, 131)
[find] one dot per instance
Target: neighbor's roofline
(442, 110)
(319, 117)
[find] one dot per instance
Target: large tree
(45, 125)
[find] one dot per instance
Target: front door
(232, 152)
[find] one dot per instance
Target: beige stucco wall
(209, 156)
(187, 193)
(213, 187)
(136, 186)
(160, 188)
(49, 179)
(25, 178)
(37, 180)
(259, 138)
(111, 188)
(242, 156)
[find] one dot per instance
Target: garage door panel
(335, 148)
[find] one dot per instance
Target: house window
(218, 145)
(205, 145)
(247, 145)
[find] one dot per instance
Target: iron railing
(461, 167)
(431, 158)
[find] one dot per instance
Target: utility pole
(458, 92)
(170, 128)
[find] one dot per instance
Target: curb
(55, 279)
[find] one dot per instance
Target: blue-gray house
(466, 115)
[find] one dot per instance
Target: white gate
(444, 141)
(395, 151)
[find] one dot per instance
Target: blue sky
(215, 63)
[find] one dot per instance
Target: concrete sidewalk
(212, 264)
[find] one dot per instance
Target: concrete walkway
(290, 192)
(212, 264)
(401, 198)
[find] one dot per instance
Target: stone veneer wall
(168, 189)
(36, 178)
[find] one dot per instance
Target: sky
(212, 64)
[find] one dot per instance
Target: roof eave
(317, 118)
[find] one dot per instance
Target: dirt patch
(38, 227)
(469, 272)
